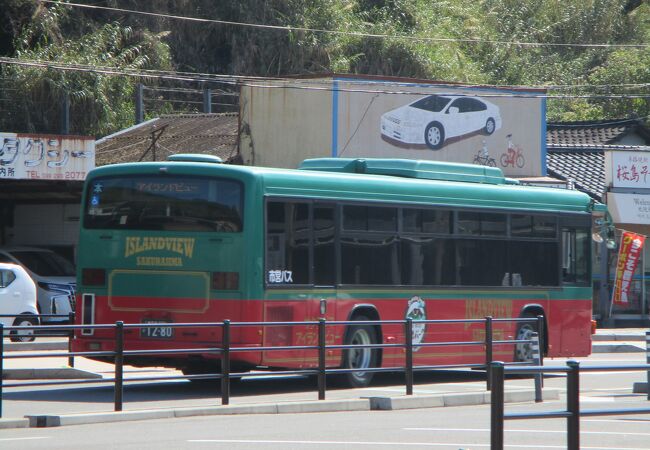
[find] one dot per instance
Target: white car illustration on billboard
(433, 119)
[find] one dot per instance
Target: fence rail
(224, 348)
(572, 413)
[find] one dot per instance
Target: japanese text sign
(629, 255)
(45, 157)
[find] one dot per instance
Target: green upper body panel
(408, 182)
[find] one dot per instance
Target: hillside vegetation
(495, 42)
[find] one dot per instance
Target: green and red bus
(193, 240)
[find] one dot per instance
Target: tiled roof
(585, 168)
(214, 134)
(575, 150)
(604, 132)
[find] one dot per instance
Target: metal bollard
(647, 360)
(488, 351)
(573, 405)
(408, 362)
(496, 406)
(322, 380)
(2, 358)
(540, 336)
(70, 339)
(538, 362)
(119, 365)
(225, 363)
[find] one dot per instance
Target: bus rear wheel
(360, 358)
(524, 350)
(203, 368)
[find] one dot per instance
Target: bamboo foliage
(483, 42)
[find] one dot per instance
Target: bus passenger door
(323, 299)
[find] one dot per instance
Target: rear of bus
(161, 243)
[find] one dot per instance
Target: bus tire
(361, 357)
(23, 335)
(202, 369)
(524, 351)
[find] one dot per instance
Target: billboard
(487, 126)
(45, 157)
(372, 117)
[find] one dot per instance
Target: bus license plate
(160, 332)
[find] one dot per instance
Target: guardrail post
(225, 363)
(408, 362)
(488, 351)
(322, 380)
(119, 365)
(70, 339)
(573, 405)
(647, 360)
(537, 361)
(496, 405)
(2, 357)
(540, 336)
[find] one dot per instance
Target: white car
(434, 119)
(17, 301)
(54, 276)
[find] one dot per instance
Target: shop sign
(45, 157)
(629, 208)
(630, 170)
(629, 254)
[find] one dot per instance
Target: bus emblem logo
(416, 311)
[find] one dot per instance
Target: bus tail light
(87, 313)
(225, 281)
(93, 277)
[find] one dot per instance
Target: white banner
(45, 157)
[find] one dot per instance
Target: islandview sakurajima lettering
(135, 245)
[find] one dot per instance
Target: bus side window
(324, 248)
(288, 242)
(575, 255)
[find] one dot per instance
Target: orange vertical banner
(629, 255)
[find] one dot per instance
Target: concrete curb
(60, 373)
(35, 346)
(457, 399)
(14, 423)
(363, 404)
(618, 337)
(617, 347)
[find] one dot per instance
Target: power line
(235, 80)
(326, 83)
(289, 28)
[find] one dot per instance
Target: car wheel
(23, 335)
(360, 358)
(434, 135)
(490, 126)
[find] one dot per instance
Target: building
(610, 161)
(41, 176)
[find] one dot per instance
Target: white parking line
(636, 421)
(391, 444)
(23, 439)
(487, 430)
(355, 443)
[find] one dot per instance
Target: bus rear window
(164, 203)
